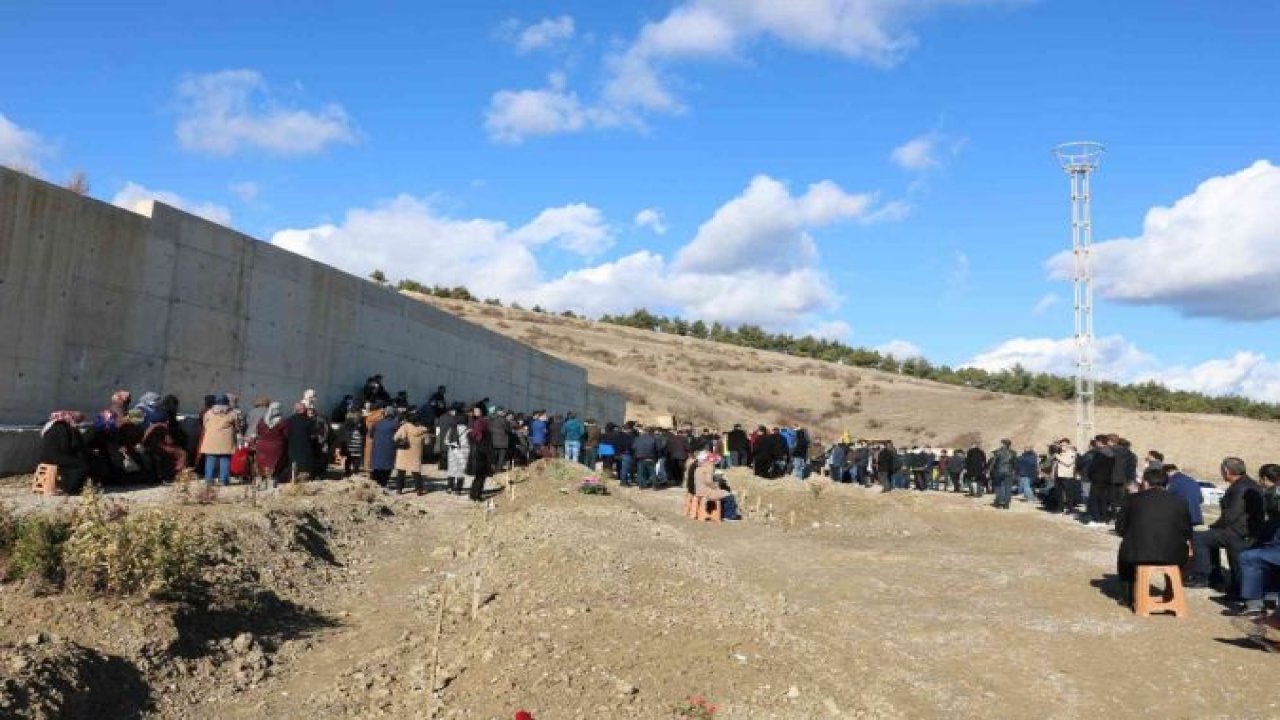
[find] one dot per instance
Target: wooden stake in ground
(475, 594)
(791, 519)
(435, 661)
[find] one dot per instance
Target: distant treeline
(1015, 381)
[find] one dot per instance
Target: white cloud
(831, 330)
(224, 112)
(138, 199)
(578, 228)
(1215, 252)
(1114, 357)
(638, 78)
(20, 148)
(919, 153)
(651, 218)
(900, 349)
(247, 191)
(515, 115)
(546, 34)
(410, 239)
(767, 227)
(1046, 302)
(1247, 374)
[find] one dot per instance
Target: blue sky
(511, 146)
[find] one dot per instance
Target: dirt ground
(824, 603)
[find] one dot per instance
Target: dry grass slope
(721, 384)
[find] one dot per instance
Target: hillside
(723, 384)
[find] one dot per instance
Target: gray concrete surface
(94, 298)
(19, 450)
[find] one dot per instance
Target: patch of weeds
(145, 554)
(37, 548)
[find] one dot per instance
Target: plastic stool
(1172, 600)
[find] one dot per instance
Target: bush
(37, 548)
(146, 554)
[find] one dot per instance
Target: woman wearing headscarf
(351, 440)
(270, 446)
(371, 420)
(706, 486)
(408, 441)
(218, 441)
(152, 412)
(62, 444)
(256, 414)
(480, 460)
(383, 452)
(300, 437)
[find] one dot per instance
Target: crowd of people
(1150, 503)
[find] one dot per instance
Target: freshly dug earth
(826, 603)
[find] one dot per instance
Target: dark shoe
(1196, 582)
(1245, 612)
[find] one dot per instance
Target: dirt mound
(47, 677)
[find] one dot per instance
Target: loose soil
(839, 602)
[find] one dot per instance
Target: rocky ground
(827, 601)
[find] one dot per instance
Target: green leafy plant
(37, 548)
(591, 485)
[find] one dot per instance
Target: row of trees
(1015, 381)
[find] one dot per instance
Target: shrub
(8, 528)
(37, 547)
(146, 554)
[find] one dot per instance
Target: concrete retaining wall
(94, 298)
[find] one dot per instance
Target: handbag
(606, 450)
(128, 464)
(240, 462)
(402, 443)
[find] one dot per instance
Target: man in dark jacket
(500, 436)
(884, 466)
(645, 451)
(1240, 523)
(1156, 528)
(1102, 468)
(739, 446)
(1003, 462)
(677, 452)
(975, 468)
(770, 454)
(300, 436)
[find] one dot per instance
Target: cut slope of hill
(719, 384)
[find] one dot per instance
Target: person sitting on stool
(1156, 528)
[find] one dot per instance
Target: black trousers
(381, 476)
(477, 487)
(398, 482)
(1208, 557)
(675, 471)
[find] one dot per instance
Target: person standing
(590, 444)
(480, 457)
(884, 466)
(408, 440)
(1241, 521)
(301, 441)
(352, 440)
(270, 447)
(645, 451)
(677, 452)
(457, 449)
(1027, 468)
(1156, 530)
(382, 452)
(975, 468)
(218, 441)
(500, 434)
(1102, 469)
(739, 446)
(1066, 481)
(573, 431)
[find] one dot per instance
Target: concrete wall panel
(96, 298)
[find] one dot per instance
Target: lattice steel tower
(1079, 160)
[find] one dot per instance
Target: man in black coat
(975, 470)
(884, 466)
(739, 447)
(771, 452)
(299, 440)
(1102, 470)
(1156, 527)
(1241, 521)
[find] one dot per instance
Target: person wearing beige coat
(218, 441)
(409, 440)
